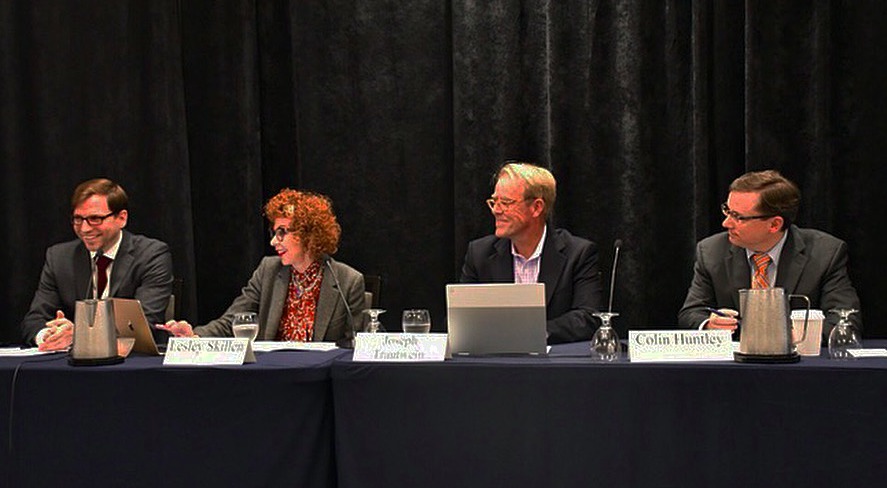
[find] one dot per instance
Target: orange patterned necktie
(761, 260)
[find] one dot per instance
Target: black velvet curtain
(401, 110)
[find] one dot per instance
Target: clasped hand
(724, 318)
(60, 334)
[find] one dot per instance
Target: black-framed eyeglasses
(279, 233)
(732, 214)
(92, 220)
(504, 203)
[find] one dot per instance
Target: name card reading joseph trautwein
(188, 351)
(393, 347)
(680, 345)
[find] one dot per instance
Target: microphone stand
(345, 342)
(617, 245)
(605, 342)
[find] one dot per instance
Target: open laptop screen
(496, 318)
(131, 322)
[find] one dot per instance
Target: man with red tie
(762, 248)
(105, 261)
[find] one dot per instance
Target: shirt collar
(537, 252)
(774, 251)
(112, 252)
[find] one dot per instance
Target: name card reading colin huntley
(393, 347)
(680, 345)
(189, 351)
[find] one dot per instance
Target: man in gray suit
(762, 248)
(105, 261)
(524, 249)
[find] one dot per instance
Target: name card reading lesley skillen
(394, 347)
(186, 351)
(680, 345)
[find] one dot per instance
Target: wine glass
(374, 325)
(416, 321)
(605, 342)
(844, 336)
(245, 325)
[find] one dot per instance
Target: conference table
(140, 424)
(319, 419)
(564, 420)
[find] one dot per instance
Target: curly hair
(312, 219)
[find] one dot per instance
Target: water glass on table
(245, 326)
(416, 321)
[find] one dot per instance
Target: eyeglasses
(279, 233)
(731, 214)
(504, 203)
(93, 220)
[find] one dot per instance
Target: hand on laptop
(59, 334)
(179, 328)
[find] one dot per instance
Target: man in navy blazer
(139, 268)
(524, 249)
(758, 217)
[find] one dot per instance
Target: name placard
(207, 351)
(680, 345)
(394, 347)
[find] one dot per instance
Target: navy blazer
(812, 263)
(142, 270)
(569, 269)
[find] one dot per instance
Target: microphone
(617, 245)
(342, 342)
(93, 278)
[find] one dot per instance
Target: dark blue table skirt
(565, 421)
(140, 424)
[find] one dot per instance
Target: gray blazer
(812, 263)
(265, 294)
(569, 269)
(142, 270)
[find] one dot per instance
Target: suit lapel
(82, 272)
(326, 303)
(122, 264)
(552, 265)
(738, 272)
(279, 289)
(502, 262)
(791, 262)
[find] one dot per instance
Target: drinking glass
(245, 325)
(416, 321)
(843, 336)
(605, 342)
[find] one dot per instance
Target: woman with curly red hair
(294, 293)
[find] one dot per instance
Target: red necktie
(101, 278)
(761, 260)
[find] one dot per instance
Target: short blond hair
(539, 182)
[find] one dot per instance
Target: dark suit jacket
(812, 263)
(142, 270)
(569, 269)
(265, 294)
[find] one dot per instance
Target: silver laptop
(129, 318)
(500, 318)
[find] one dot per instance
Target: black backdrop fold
(400, 111)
